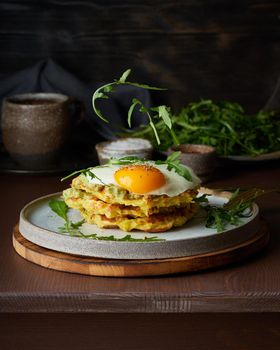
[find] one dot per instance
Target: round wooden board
(133, 268)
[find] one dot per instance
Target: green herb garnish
(61, 209)
(202, 199)
(73, 228)
(172, 161)
(127, 238)
(126, 160)
(239, 205)
(87, 172)
(162, 112)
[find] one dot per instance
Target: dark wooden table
(236, 307)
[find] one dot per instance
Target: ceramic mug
(36, 126)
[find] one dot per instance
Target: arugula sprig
(156, 113)
(73, 228)
(173, 162)
(61, 209)
(128, 160)
(219, 217)
(239, 206)
(87, 172)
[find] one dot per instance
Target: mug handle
(79, 109)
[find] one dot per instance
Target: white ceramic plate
(40, 225)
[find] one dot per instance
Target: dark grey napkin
(48, 76)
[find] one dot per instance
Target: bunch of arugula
(160, 113)
(223, 125)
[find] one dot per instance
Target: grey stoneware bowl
(201, 158)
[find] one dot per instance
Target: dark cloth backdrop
(48, 76)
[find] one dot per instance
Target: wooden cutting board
(133, 268)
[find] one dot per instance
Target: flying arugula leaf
(124, 76)
(99, 93)
(164, 113)
(161, 112)
(154, 128)
(108, 88)
(135, 102)
(142, 109)
(145, 86)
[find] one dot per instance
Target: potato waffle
(152, 223)
(111, 206)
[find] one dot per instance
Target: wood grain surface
(137, 268)
(198, 49)
(257, 331)
(253, 286)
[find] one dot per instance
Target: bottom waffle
(152, 223)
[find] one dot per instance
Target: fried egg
(144, 178)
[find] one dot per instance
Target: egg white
(175, 184)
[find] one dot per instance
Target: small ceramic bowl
(201, 158)
(124, 147)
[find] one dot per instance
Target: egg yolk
(139, 179)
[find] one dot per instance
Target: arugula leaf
(87, 172)
(202, 199)
(127, 238)
(108, 88)
(124, 76)
(99, 93)
(135, 102)
(174, 157)
(152, 125)
(59, 207)
(77, 224)
(144, 86)
(173, 162)
(164, 113)
(126, 160)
